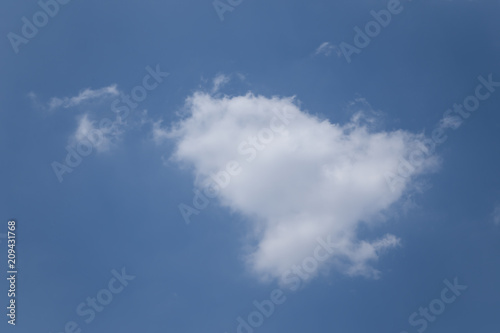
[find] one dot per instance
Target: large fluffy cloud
(299, 177)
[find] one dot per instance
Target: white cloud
(366, 251)
(219, 81)
(159, 134)
(450, 121)
(101, 137)
(102, 132)
(326, 49)
(496, 214)
(313, 179)
(85, 95)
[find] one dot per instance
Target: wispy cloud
(99, 131)
(101, 134)
(101, 137)
(85, 95)
(219, 81)
(160, 134)
(327, 49)
(450, 121)
(496, 214)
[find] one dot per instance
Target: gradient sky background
(119, 208)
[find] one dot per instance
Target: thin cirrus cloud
(450, 121)
(102, 138)
(89, 125)
(496, 214)
(219, 81)
(313, 179)
(84, 96)
(327, 49)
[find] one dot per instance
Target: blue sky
(356, 147)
